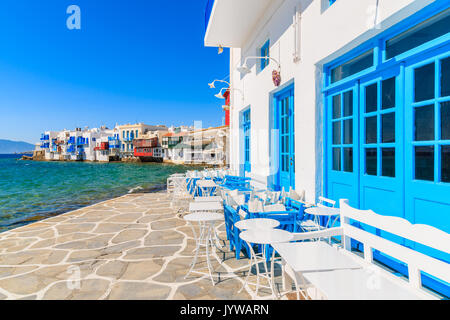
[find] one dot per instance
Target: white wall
(324, 35)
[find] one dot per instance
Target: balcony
(147, 143)
(229, 22)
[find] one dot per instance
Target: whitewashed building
(343, 99)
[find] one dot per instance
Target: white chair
(313, 224)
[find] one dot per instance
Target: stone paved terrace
(131, 247)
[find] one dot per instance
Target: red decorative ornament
(276, 77)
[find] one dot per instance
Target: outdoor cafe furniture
(232, 216)
(208, 199)
(259, 223)
(334, 277)
(205, 188)
(204, 206)
(263, 237)
(331, 215)
(205, 221)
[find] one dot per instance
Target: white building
(362, 108)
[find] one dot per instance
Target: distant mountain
(8, 146)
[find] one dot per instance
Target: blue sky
(132, 61)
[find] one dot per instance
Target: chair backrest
(255, 205)
(274, 207)
(325, 202)
(296, 195)
(419, 233)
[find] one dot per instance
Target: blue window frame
(401, 127)
(246, 127)
(265, 52)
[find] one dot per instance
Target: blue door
(285, 116)
(427, 145)
(246, 127)
(381, 143)
(342, 143)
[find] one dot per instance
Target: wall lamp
(211, 85)
(244, 69)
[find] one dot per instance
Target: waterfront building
(343, 99)
(146, 147)
(203, 146)
(129, 132)
(169, 141)
(105, 141)
(46, 145)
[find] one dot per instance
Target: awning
(231, 21)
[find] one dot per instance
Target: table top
(323, 211)
(314, 256)
(203, 217)
(258, 223)
(206, 184)
(208, 199)
(266, 236)
(360, 284)
(205, 206)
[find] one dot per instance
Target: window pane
(348, 131)
(424, 123)
(445, 77)
(353, 66)
(388, 162)
(286, 125)
(388, 127)
(337, 159)
(337, 132)
(445, 120)
(348, 159)
(348, 103)
(337, 106)
(388, 93)
(424, 161)
(371, 98)
(371, 161)
(428, 30)
(424, 83)
(445, 164)
(371, 129)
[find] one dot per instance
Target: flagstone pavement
(132, 247)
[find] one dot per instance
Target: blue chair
(236, 243)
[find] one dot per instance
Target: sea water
(34, 190)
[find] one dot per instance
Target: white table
(208, 199)
(206, 187)
(320, 211)
(311, 258)
(314, 256)
(206, 222)
(365, 284)
(258, 223)
(264, 237)
(205, 206)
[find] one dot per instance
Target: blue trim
(379, 41)
(403, 187)
(264, 52)
(275, 182)
(245, 138)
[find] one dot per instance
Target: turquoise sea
(32, 190)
